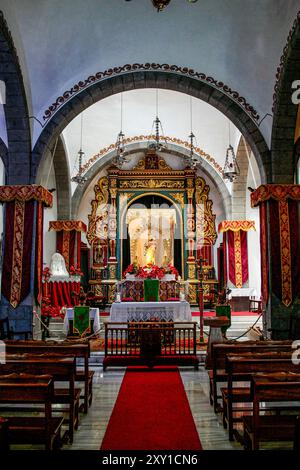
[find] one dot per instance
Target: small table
(94, 315)
(215, 333)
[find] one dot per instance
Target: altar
(145, 311)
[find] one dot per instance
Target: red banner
(264, 252)
(238, 257)
(285, 250)
(16, 274)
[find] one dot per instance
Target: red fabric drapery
(281, 201)
(16, 275)
(264, 252)
(61, 293)
(285, 250)
(39, 252)
(68, 240)
(238, 257)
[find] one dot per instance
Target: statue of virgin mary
(58, 267)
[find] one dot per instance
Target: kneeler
(151, 290)
(81, 323)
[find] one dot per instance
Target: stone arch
(62, 177)
(285, 111)
(125, 81)
(18, 163)
(211, 175)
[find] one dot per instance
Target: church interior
(149, 225)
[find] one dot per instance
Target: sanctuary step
(239, 325)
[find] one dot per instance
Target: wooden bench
(281, 387)
(241, 368)
(219, 351)
(4, 443)
(61, 369)
(25, 388)
(65, 348)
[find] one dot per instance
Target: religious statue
(58, 267)
(150, 251)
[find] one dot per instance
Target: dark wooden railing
(150, 338)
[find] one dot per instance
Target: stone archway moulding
(137, 76)
(212, 176)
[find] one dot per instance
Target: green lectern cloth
(151, 290)
(224, 311)
(81, 323)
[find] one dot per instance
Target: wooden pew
(61, 369)
(67, 348)
(219, 351)
(241, 368)
(25, 388)
(4, 443)
(283, 386)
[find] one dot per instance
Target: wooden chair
(255, 305)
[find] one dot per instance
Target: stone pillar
(22, 253)
(280, 254)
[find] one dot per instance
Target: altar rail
(150, 343)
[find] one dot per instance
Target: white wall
(253, 236)
(46, 177)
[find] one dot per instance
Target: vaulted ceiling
(61, 42)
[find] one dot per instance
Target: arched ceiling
(102, 122)
(62, 42)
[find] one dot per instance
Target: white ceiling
(102, 122)
(60, 42)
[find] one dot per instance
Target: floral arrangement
(50, 311)
(170, 269)
(151, 271)
(131, 269)
(46, 274)
(75, 271)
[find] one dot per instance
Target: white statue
(58, 267)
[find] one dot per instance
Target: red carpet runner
(151, 413)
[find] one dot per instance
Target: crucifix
(200, 262)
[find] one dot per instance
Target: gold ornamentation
(179, 197)
(190, 193)
(112, 268)
(111, 293)
(191, 271)
(205, 219)
(141, 138)
(98, 219)
(192, 295)
(151, 184)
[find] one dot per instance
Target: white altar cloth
(143, 311)
(94, 315)
(243, 292)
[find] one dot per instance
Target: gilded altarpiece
(117, 193)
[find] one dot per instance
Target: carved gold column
(112, 236)
(191, 229)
